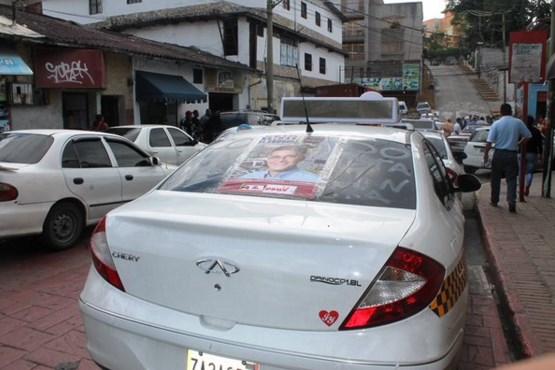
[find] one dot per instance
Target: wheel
(63, 226)
(469, 169)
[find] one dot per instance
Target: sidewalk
(521, 249)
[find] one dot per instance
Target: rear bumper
(132, 334)
(20, 220)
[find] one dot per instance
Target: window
(330, 25)
(127, 156)
(303, 10)
(134, 1)
(317, 19)
(179, 138)
(289, 53)
(158, 138)
(89, 153)
(308, 62)
(197, 75)
(231, 38)
(323, 66)
(442, 186)
(286, 4)
(95, 6)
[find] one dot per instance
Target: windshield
(347, 170)
(23, 147)
(129, 132)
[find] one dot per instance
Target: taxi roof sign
(370, 108)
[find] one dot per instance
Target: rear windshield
(23, 147)
(347, 170)
(480, 136)
(129, 132)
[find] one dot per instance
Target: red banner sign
(70, 69)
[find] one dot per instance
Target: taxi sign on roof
(369, 108)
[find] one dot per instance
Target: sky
(432, 8)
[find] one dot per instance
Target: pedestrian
(196, 127)
(457, 127)
(534, 152)
(213, 127)
(186, 123)
(448, 127)
(99, 124)
(507, 133)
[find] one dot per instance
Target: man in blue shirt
(507, 133)
(282, 165)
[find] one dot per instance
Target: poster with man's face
(290, 165)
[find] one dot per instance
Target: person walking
(507, 133)
(534, 151)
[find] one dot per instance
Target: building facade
(384, 44)
(306, 41)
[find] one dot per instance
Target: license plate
(205, 361)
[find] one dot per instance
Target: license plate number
(197, 360)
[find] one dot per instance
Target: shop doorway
(75, 111)
(110, 109)
(221, 102)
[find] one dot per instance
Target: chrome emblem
(216, 266)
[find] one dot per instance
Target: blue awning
(12, 64)
(155, 87)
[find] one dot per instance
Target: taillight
(407, 284)
(453, 176)
(7, 192)
(102, 259)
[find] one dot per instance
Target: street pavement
(41, 327)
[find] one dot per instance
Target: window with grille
(197, 75)
(330, 25)
(323, 66)
(231, 38)
(95, 6)
(286, 4)
(317, 19)
(308, 62)
(289, 53)
(303, 10)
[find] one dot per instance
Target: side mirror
(467, 183)
(155, 161)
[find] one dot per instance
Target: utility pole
(270, 56)
(548, 152)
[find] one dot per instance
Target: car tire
(63, 226)
(470, 170)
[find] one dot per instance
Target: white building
(306, 33)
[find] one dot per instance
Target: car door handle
(129, 177)
(78, 180)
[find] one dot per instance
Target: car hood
(254, 261)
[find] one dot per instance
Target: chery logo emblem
(216, 266)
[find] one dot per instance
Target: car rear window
(129, 132)
(347, 170)
(480, 136)
(23, 148)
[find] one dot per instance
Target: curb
(524, 340)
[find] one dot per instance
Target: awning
(12, 64)
(152, 87)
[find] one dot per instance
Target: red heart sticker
(329, 317)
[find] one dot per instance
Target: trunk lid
(253, 261)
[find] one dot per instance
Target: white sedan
(55, 182)
(474, 150)
(340, 248)
(169, 143)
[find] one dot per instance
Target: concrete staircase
(483, 88)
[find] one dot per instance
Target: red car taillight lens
(102, 259)
(407, 284)
(7, 192)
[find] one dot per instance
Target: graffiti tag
(74, 72)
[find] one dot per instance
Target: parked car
(474, 150)
(236, 118)
(423, 107)
(458, 142)
(169, 143)
(223, 267)
(55, 182)
(454, 169)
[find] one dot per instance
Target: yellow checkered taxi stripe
(452, 288)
